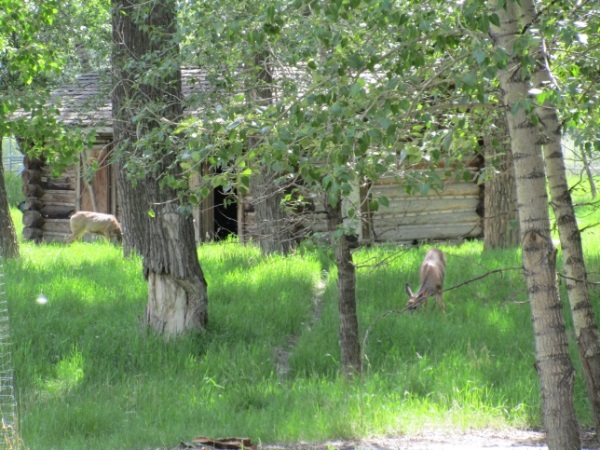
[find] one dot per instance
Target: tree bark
(351, 359)
(584, 321)
(553, 363)
(9, 242)
(152, 224)
(501, 216)
(273, 234)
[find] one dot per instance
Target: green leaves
(362, 88)
(494, 19)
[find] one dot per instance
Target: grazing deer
(432, 273)
(83, 222)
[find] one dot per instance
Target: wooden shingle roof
(86, 101)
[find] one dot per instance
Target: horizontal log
(415, 205)
(472, 161)
(446, 175)
(422, 232)
(70, 171)
(33, 219)
(319, 227)
(32, 190)
(57, 211)
(450, 189)
(60, 183)
(440, 220)
(65, 204)
(32, 234)
(56, 226)
(320, 208)
(50, 237)
(433, 216)
(31, 176)
(55, 197)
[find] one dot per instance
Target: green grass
(12, 183)
(588, 212)
(87, 375)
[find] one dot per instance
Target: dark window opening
(226, 222)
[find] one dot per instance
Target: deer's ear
(424, 293)
(408, 291)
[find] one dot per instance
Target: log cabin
(453, 212)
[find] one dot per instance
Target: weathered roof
(86, 101)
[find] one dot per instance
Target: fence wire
(8, 405)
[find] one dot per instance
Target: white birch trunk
(553, 363)
(584, 322)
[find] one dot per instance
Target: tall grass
(13, 183)
(88, 376)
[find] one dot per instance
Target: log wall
(49, 202)
(452, 213)
(449, 214)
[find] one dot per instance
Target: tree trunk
(152, 223)
(273, 234)
(553, 363)
(9, 242)
(589, 173)
(349, 335)
(501, 221)
(82, 55)
(584, 321)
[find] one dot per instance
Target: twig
(562, 275)
(537, 15)
(592, 203)
(581, 230)
(377, 319)
(482, 276)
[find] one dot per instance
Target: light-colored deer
(432, 273)
(83, 222)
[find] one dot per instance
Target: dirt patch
(430, 440)
(438, 440)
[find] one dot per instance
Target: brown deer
(83, 222)
(432, 273)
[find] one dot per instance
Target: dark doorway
(226, 221)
